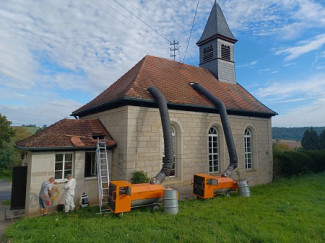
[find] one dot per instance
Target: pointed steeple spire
(217, 47)
(216, 26)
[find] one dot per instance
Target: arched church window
(225, 52)
(248, 149)
(208, 53)
(213, 150)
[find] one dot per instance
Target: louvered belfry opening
(208, 53)
(225, 52)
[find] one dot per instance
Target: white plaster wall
(41, 167)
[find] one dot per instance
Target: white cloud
(303, 47)
(303, 116)
(284, 96)
(312, 87)
(289, 64)
(286, 19)
(54, 47)
(47, 112)
(250, 64)
(98, 38)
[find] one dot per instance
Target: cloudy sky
(57, 55)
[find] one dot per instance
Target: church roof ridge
(172, 78)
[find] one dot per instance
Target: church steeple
(217, 46)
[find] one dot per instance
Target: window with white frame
(63, 165)
(213, 150)
(90, 164)
(248, 149)
(173, 170)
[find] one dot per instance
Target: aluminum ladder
(102, 174)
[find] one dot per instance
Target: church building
(126, 114)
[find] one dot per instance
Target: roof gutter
(43, 149)
(173, 106)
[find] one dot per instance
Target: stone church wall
(138, 133)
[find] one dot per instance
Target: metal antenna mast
(174, 49)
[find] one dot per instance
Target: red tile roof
(67, 134)
(172, 79)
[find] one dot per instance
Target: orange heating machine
(207, 186)
(123, 195)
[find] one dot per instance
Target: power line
(142, 21)
(124, 17)
(188, 42)
(176, 48)
(143, 13)
(124, 22)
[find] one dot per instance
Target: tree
(322, 140)
(6, 150)
(6, 132)
(280, 147)
(310, 139)
(9, 155)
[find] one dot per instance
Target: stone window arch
(213, 150)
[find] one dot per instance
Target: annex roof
(172, 79)
(216, 26)
(67, 134)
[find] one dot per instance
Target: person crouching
(69, 187)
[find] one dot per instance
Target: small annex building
(127, 115)
(66, 147)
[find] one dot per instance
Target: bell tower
(217, 47)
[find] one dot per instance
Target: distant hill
(292, 133)
(33, 129)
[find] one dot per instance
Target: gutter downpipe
(167, 132)
(226, 127)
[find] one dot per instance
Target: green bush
(292, 163)
(318, 160)
(139, 177)
(6, 202)
(5, 172)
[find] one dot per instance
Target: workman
(45, 194)
(69, 187)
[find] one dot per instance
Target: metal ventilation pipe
(167, 132)
(225, 124)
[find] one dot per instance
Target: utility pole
(174, 49)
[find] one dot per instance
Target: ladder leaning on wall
(102, 174)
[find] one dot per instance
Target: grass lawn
(6, 177)
(289, 210)
(6, 202)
